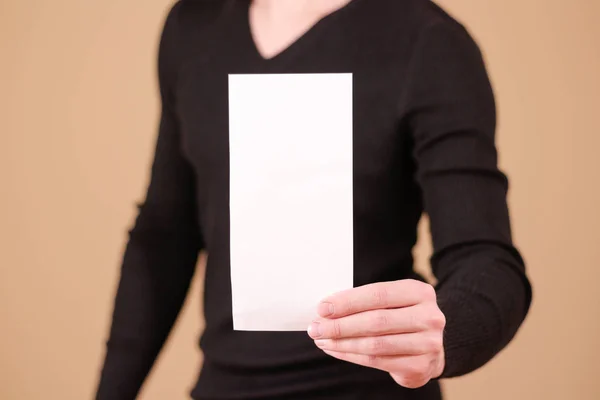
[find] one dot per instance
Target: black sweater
(424, 126)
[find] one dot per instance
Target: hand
(393, 326)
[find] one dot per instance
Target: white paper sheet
(290, 141)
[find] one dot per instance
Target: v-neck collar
(297, 45)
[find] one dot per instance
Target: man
(424, 126)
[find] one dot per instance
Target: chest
(378, 138)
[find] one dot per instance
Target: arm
(160, 256)
(407, 327)
(483, 290)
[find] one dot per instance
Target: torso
(374, 41)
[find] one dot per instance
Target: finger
(395, 294)
(410, 371)
(410, 344)
(384, 363)
(373, 323)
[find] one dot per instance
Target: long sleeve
(160, 256)
(450, 110)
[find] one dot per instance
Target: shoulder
(187, 17)
(436, 26)
(445, 63)
(186, 30)
(410, 20)
(401, 27)
(421, 15)
(438, 40)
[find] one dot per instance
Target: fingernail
(325, 309)
(314, 330)
(320, 342)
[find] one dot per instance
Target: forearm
(155, 277)
(485, 297)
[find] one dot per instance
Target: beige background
(78, 116)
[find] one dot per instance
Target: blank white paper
(291, 223)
